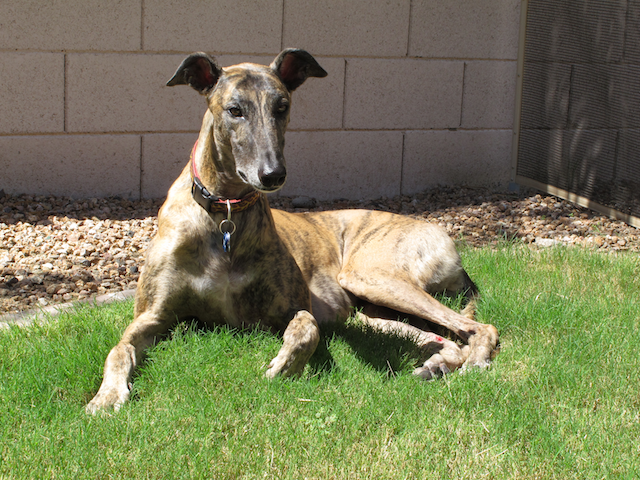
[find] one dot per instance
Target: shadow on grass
(382, 351)
(387, 353)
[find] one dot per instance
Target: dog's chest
(239, 296)
(216, 291)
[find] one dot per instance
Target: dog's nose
(273, 178)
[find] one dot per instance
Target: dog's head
(250, 107)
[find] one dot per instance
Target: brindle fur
(285, 272)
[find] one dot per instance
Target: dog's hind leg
(300, 340)
(444, 355)
(123, 359)
(401, 295)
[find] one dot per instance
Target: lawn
(562, 400)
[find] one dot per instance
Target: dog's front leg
(122, 360)
(300, 340)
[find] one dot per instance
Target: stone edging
(28, 316)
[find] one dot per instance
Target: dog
(222, 256)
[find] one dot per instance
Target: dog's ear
(199, 71)
(294, 66)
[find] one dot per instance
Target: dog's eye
(235, 111)
(282, 108)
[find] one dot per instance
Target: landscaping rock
(59, 249)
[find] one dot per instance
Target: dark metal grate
(579, 129)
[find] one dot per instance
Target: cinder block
(623, 190)
(356, 27)
(579, 161)
(626, 168)
(32, 86)
(229, 60)
(214, 26)
(579, 32)
(545, 98)
(546, 168)
(127, 93)
(163, 158)
(408, 93)
(317, 104)
(489, 94)
(632, 33)
(80, 166)
(605, 96)
(444, 157)
(590, 158)
(70, 25)
(485, 29)
(339, 164)
(573, 160)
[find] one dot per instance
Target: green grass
(562, 399)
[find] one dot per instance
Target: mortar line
(141, 25)
(195, 132)
(464, 73)
(282, 27)
(64, 94)
(344, 93)
(409, 28)
(616, 153)
(404, 137)
(141, 167)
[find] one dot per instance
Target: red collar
(212, 203)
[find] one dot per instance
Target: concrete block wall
(419, 92)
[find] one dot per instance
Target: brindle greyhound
(223, 256)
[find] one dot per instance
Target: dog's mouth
(271, 190)
(243, 177)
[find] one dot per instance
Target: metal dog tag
(227, 228)
(226, 241)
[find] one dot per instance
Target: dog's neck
(217, 195)
(214, 204)
(210, 160)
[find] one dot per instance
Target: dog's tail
(472, 295)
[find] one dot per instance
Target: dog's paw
(285, 365)
(105, 402)
(431, 371)
(449, 359)
(483, 347)
(273, 369)
(300, 340)
(481, 365)
(278, 367)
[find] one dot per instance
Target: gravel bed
(55, 249)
